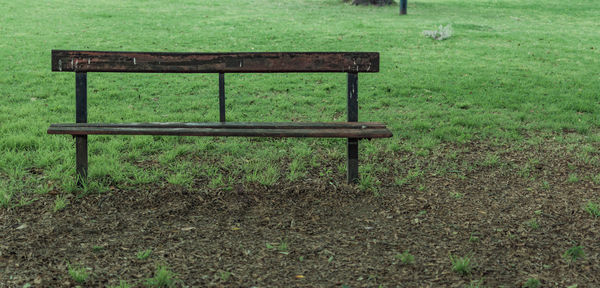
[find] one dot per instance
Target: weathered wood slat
(259, 62)
(255, 132)
(234, 125)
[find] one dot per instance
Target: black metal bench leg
(222, 97)
(81, 149)
(352, 160)
(352, 117)
(81, 159)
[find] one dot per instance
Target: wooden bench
(82, 62)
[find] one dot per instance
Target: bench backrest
(256, 62)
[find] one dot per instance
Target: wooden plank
(318, 133)
(258, 62)
(235, 125)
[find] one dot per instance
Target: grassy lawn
(515, 74)
(511, 69)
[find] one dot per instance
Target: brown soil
(335, 234)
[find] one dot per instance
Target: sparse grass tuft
(406, 258)
(531, 283)
(78, 274)
(533, 224)
(574, 253)
(412, 175)
(593, 209)
(144, 254)
(163, 278)
(366, 182)
(596, 179)
(282, 247)
(461, 265)
(457, 195)
(545, 185)
(224, 275)
(573, 178)
(474, 238)
(59, 203)
(491, 160)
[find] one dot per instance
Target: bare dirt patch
(476, 200)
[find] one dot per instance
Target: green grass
(144, 254)
(510, 69)
(282, 247)
(533, 224)
(412, 176)
(163, 278)
(474, 238)
(491, 160)
(574, 253)
(366, 182)
(406, 258)
(59, 203)
(593, 209)
(78, 274)
(5, 194)
(573, 178)
(461, 265)
(531, 283)
(457, 195)
(224, 275)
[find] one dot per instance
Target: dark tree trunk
(373, 2)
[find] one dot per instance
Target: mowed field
(494, 160)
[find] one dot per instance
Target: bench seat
(358, 130)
